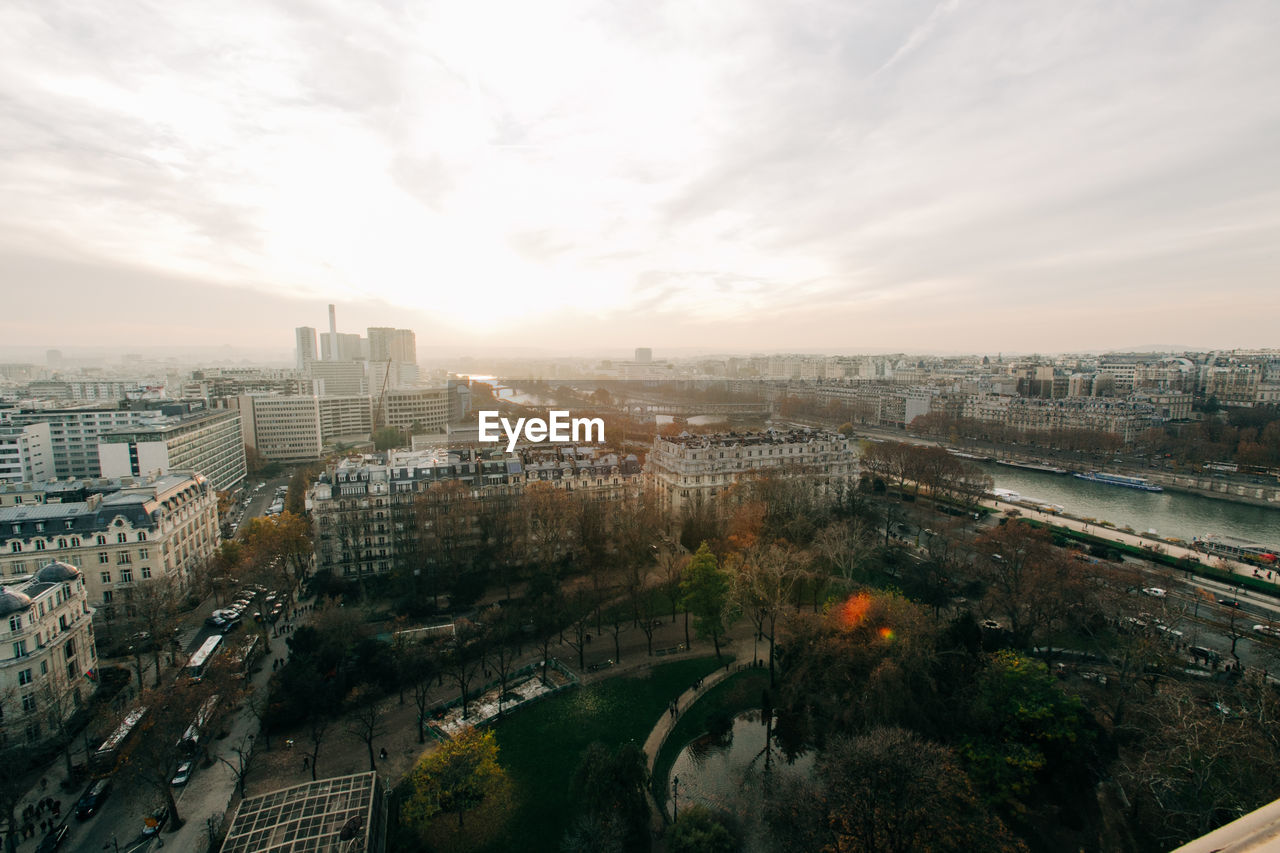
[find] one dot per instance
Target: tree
(424, 667)
(762, 586)
(462, 659)
(387, 438)
(367, 720)
(706, 588)
(156, 603)
(459, 777)
(890, 791)
(612, 783)
(242, 762)
(697, 831)
(1029, 582)
(845, 546)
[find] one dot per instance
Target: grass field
(540, 746)
(739, 692)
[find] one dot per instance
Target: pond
(728, 774)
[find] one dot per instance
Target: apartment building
(363, 507)
(47, 658)
(416, 409)
(74, 433)
(284, 429)
(148, 528)
(688, 469)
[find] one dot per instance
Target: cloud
(799, 177)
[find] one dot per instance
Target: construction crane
(382, 398)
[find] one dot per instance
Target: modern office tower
(208, 442)
(306, 346)
(143, 530)
(284, 429)
(339, 378)
(388, 344)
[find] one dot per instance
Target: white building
(48, 653)
(152, 528)
(305, 347)
(74, 433)
(285, 429)
(26, 453)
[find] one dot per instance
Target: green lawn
(540, 746)
(741, 691)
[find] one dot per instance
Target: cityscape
(605, 428)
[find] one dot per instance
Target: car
(93, 799)
(1155, 592)
(152, 823)
(53, 840)
(1267, 630)
(1227, 602)
(182, 775)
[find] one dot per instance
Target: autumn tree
(1029, 582)
(461, 776)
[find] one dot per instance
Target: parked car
(53, 840)
(1267, 630)
(1155, 592)
(182, 775)
(155, 821)
(93, 799)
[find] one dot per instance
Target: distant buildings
(124, 533)
(690, 469)
(48, 657)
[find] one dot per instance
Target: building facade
(48, 659)
(150, 528)
(26, 453)
(304, 347)
(686, 470)
(209, 443)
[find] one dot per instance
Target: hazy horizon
(886, 176)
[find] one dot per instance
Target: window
(143, 553)
(123, 558)
(15, 547)
(71, 676)
(126, 576)
(107, 596)
(62, 543)
(146, 573)
(20, 649)
(70, 648)
(122, 537)
(15, 622)
(142, 536)
(101, 540)
(104, 557)
(106, 577)
(44, 667)
(39, 543)
(29, 702)
(75, 541)
(24, 676)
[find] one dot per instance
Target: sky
(743, 175)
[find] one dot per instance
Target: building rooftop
(345, 813)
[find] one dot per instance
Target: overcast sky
(738, 175)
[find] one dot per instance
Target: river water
(1170, 514)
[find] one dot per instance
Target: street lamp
(675, 798)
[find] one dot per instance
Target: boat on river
(1121, 480)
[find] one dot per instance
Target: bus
(199, 662)
(190, 741)
(104, 757)
(246, 655)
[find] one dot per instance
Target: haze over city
(903, 176)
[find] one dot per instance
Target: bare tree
(462, 660)
(318, 726)
(367, 721)
(241, 762)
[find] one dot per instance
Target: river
(1170, 514)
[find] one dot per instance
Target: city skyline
(912, 177)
